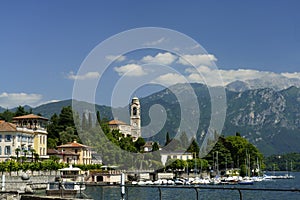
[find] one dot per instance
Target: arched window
(134, 111)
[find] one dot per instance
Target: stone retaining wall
(20, 182)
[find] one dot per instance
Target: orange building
(83, 152)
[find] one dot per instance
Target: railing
(197, 188)
(127, 194)
(200, 192)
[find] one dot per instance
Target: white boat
(246, 181)
(69, 184)
(141, 182)
(64, 189)
(171, 182)
(179, 182)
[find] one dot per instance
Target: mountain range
(276, 82)
(268, 117)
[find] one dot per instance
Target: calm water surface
(141, 193)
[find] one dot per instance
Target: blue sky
(43, 43)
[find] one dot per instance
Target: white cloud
(170, 79)
(130, 70)
(11, 100)
(160, 58)
(291, 75)
(197, 59)
(86, 76)
(155, 42)
(216, 77)
(119, 58)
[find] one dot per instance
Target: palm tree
(36, 157)
(17, 151)
(32, 154)
(25, 154)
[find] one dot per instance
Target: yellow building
(36, 125)
(74, 148)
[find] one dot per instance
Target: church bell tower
(135, 118)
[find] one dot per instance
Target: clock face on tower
(134, 124)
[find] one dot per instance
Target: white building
(35, 125)
(12, 139)
(134, 129)
(175, 155)
(124, 128)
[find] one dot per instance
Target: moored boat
(69, 184)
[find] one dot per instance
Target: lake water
(147, 193)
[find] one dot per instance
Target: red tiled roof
(52, 151)
(69, 153)
(72, 145)
(7, 127)
(30, 116)
(148, 144)
(116, 122)
(57, 152)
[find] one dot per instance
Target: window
(0, 150)
(24, 139)
(7, 150)
(0, 138)
(7, 138)
(134, 111)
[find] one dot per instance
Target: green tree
(240, 148)
(98, 117)
(32, 154)
(24, 158)
(17, 151)
(7, 115)
(90, 121)
(84, 124)
(168, 139)
(53, 128)
(139, 143)
(20, 111)
(155, 146)
(184, 140)
(36, 157)
(176, 164)
(66, 117)
(221, 154)
(52, 143)
(194, 147)
(68, 135)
